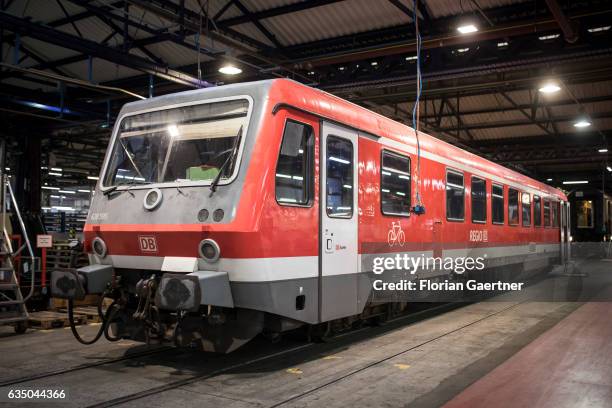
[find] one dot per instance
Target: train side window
(584, 214)
(395, 184)
(497, 204)
(479, 200)
(555, 214)
(513, 210)
(526, 206)
(339, 183)
(537, 211)
(546, 213)
(455, 196)
(295, 167)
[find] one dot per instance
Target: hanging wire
(416, 108)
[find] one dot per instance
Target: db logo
(147, 243)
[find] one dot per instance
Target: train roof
(321, 103)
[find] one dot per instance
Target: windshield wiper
(215, 182)
(129, 183)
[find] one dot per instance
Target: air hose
(105, 317)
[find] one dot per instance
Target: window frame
(345, 217)
(539, 200)
(458, 173)
(409, 194)
(530, 210)
(503, 198)
(310, 164)
(472, 199)
(518, 207)
(549, 225)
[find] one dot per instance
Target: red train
(226, 212)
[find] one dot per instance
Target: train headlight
(99, 247)
(209, 250)
(152, 199)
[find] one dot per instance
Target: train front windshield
(186, 144)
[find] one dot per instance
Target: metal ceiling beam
(569, 29)
(94, 49)
(277, 11)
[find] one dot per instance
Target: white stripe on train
(286, 268)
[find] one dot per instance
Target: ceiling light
(598, 29)
(55, 174)
(50, 188)
(54, 196)
(230, 69)
(549, 179)
(67, 192)
(548, 37)
(373, 63)
(311, 73)
(173, 130)
(502, 44)
(411, 58)
(341, 68)
(93, 178)
(467, 29)
(603, 150)
(56, 169)
(7, 169)
(61, 208)
(576, 182)
(84, 191)
(462, 50)
(609, 168)
(549, 88)
(582, 123)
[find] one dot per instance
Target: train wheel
(21, 327)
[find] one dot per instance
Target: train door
(564, 208)
(338, 274)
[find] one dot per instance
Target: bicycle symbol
(396, 235)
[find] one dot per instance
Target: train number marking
(479, 236)
(147, 243)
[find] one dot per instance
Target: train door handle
(329, 245)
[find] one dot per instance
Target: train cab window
(584, 214)
(547, 213)
(526, 206)
(537, 211)
(479, 200)
(455, 196)
(294, 170)
(395, 184)
(339, 180)
(497, 204)
(513, 206)
(555, 214)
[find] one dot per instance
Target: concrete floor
(416, 362)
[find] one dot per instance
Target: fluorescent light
(173, 130)
(603, 150)
(93, 178)
(549, 179)
(45, 208)
(502, 44)
(67, 191)
(399, 193)
(347, 186)
(283, 176)
(373, 63)
(411, 58)
(337, 159)
(7, 168)
(548, 37)
(230, 69)
(609, 168)
(549, 87)
(55, 174)
(50, 188)
(384, 190)
(60, 208)
(311, 73)
(467, 29)
(341, 68)
(84, 191)
(582, 123)
(598, 29)
(54, 196)
(576, 182)
(462, 50)
(56, 169)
